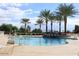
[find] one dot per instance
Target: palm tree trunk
(51, 26)
(59, 27)
(46, 26)
(25, 27)
(40, 26)
(65, 24)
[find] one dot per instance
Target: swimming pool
(38, 41)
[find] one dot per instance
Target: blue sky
(12, 13)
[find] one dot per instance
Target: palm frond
(67, 10)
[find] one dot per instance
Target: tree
(51, 19)
(44, 14)
(25, 21)
(8, 28)
(59, 19)
(14, 29)
(37, 31)
(21, 29)
(28, 28)
(66, 10)
(39, 22)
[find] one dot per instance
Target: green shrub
(8, 28)
(37, 31)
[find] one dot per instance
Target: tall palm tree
(45, 15)
(39, 22)
(66, 10)
(51, 19)
(28, 28)
(25, 21)
(59, 19)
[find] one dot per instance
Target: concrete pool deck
(71, 49)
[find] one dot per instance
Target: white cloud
(73, 21)
(13, 14)
(12, 4)
(33, 20)
(15, 5)
(31, 11)
(36, 12)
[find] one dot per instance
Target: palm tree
(25, 21)
(28, 28)
(59, 19)
(45, 15)
(66, 10)
(39, 22)
(51, 19)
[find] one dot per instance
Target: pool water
(38, 41)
